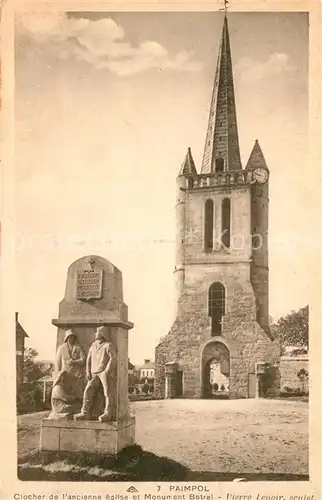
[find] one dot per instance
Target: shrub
(288, 392)
(303, 376)
(270, 393)
(29, 399)
(267, 379)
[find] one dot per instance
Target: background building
(131, 368)
(147, 370)
(20, 349)
(141, 379)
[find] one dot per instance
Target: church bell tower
(221, 331)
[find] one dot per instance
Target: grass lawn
(202, 440)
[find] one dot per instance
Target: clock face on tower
(260, 175)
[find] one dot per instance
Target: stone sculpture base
(87, 436)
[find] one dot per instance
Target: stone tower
(220, 344)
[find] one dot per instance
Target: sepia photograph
(161, 248)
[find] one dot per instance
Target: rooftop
(147, 364)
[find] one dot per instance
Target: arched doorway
(215, 370)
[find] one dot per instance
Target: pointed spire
(256, 158)
(188, 166)
(222, 134)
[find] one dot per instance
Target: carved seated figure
(68, 386)
(100, 371)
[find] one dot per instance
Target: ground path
(244, 436)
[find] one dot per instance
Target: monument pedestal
(94, 298)
(87, 436)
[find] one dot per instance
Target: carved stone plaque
(89, 284)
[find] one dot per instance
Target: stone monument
(68, 383)
(95, 317)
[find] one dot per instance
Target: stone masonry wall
(246, 291)
(259, 278)
(191, 332)
(259, 228)
(290, 367)
(240, 199)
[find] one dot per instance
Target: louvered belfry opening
(209, 226)
(225, 222)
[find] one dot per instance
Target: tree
(293, 329)
(133, 379)
(31, 370)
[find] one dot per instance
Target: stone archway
(215, 370)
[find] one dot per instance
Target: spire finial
(226, 4)
(188, 166)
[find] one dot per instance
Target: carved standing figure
(99, 372)
(69, 378)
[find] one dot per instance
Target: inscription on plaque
(89, 285)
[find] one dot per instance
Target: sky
(106, 106)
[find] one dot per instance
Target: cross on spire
(89, 266)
